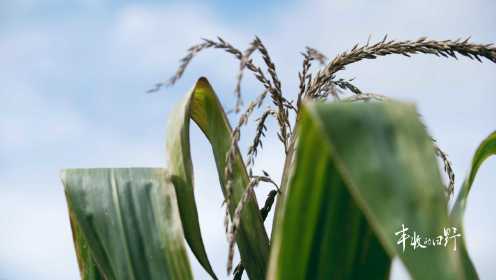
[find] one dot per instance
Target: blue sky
(74, 74)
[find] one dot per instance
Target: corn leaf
(126, 224)
(486, 149)
(202, 106)
(87, 266)
(361, 171)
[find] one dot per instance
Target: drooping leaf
(361, 172)
(203, 107)
(485, 150)
(126, 221)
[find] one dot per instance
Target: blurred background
(73, 77)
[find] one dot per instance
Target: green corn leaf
(87, 266)
(361, 171)
(126, 224)
(203, 107)
(486, 149)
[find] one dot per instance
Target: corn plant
(360, 170)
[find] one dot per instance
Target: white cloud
(35, 241)
(29, 120)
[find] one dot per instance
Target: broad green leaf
(87, 266)
(486, 149)
(203, 107)
(126, 221)
(361, 171)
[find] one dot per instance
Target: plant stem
(286, 172)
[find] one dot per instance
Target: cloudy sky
(73, 77)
